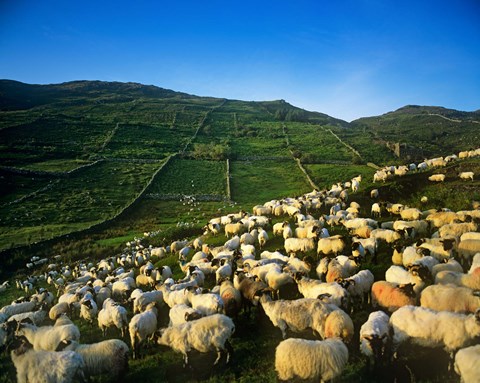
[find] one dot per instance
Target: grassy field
(325, 175)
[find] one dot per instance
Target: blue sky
(345, 58)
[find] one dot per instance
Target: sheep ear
(476, 293)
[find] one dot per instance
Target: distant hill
(433, 130)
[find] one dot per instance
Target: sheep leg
(185, 360)
(219, 355)
(229, 348)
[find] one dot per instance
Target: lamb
(105, 357)
(142, 326)
(204, 335)
(437, 178)
(466, 176)
(472, 280)
(47, 338)
(112, 314)
(374, 337)
(467, 364)
(392, 296)
(45, 366)
(312, 288)
(331, 245)
(325, 319)
(296, 245)
(310, 359)
(450, 298)
(429, 328)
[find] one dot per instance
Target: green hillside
(434, 130)
(75, 155)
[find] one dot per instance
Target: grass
(191, 177)
(57, 165)
(324, 175)
(260, 181)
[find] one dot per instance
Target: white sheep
(466, 176)
(416, 275)
(112, 314)
(313, 288)
(45, 366)
(389, 236)
(467, 364)
(88, 309)
(207, 304)
(467, 249)
(472, 280)
(205, 334)
(142, 326)
(47, 337)
(182, 313)
(430, 328)
(18, 308)
(437, 178)
(374, 337)
(359, 285)
(297, 245)
(105, 357)
(475, 263)
(450, 298)
(325, 319)
(144, 298)
(331, 245)
(317, 361)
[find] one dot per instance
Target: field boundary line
(229, 191)
(109, 137)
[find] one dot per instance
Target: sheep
(182, 313)
(368, 244)
(276, 279)
(207, 304)
(458, 229)
(374, 337)
(374, 193)
(144, 298)
(36, 317)
(312, 288)
(47, 338)
(450, 298)
(417, 275)
(232, 298)
(467, 249)
(88, 309)
(417, 227)
(273, 255)
(249, 288)
(442, 251)
(359, 285)
(411, 214)
(105, 357)
(331, 245)
(306, 232)
(17, 308)
(112, 314)
(437, 178)
(467, 364)
(337, 270)
(299, 265)
(430, 328)
(376, 210)
(296, 245)
(310, 359)
(123, 287)
(204, 335)
(232, 229)
(389, 236)
(450, 265)
(173, 297)
(142, 326)
(472, 281)
(470, 235)
(176, 246)
(325, 319)
(392, 296)
(475, 264)
(466, 176)
(223, 272)
(45, 366)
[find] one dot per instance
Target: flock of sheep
(427, 297)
